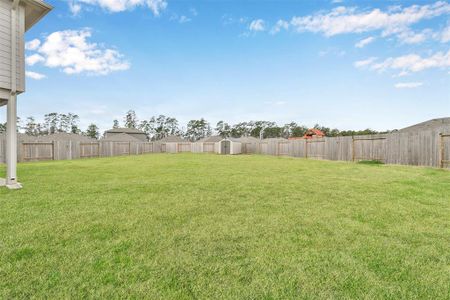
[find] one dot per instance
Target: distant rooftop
(121, 137)
(172, 139)
(433, 124)
(211, 139)
(124, 130)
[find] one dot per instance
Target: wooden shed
(16, 17)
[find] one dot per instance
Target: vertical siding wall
(424, 148)
(5, 49)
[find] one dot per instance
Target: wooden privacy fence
(423, 148)
(37, 151)
(444, 150)
(88, 150)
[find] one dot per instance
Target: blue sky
(344, 64)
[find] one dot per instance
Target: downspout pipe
(11, 118)
(14, 7)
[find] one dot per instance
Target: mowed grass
(192, 226)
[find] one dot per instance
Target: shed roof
(125, 130)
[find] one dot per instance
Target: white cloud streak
(393, 21)
(32, 45)
(407, 64)
(155, 6)
(280, 25)
(364, 63)
(257, 25)
(70, 51)
(35, 75)
(408, 85)
(348, 20)
(34, 59)
(364, 42)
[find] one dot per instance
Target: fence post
(353, 148)
(53, 150)
(306, 148)
(442, 149)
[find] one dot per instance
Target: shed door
(225, 147)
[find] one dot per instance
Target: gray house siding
(5, 50)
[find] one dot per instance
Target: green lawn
(191, 226)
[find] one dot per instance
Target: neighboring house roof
(433, 124)
(313, 133)
(121, 137)
(211, 139)
(172, 139)
(124, 130)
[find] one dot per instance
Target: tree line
(158, 127)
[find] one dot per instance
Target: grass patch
(224, 227)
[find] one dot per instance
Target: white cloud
(184, 19)
(257, 25)
(32, 45)
(365, 62)
(281, 24)
(193, 12)
(364, 42)
(408, 85)
(34, 75)
(71, 51)
(444, 36)
(156, 6)
(74, 7)
(410, 37)
(410, 63)
(180, 19)
(415, 63)
(34, 59)
(341, 20)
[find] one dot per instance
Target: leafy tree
(197, 129)
(171, 125)
(73, 123)
(116, 124)
(2, 127)
(31, 127)
(260, 128)
(92, 131)
(160, 127)
(64, 123)
(223, 129)
(130, 119)
(51, 122)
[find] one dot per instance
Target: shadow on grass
(370, 162)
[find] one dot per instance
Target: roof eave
(38, 10)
